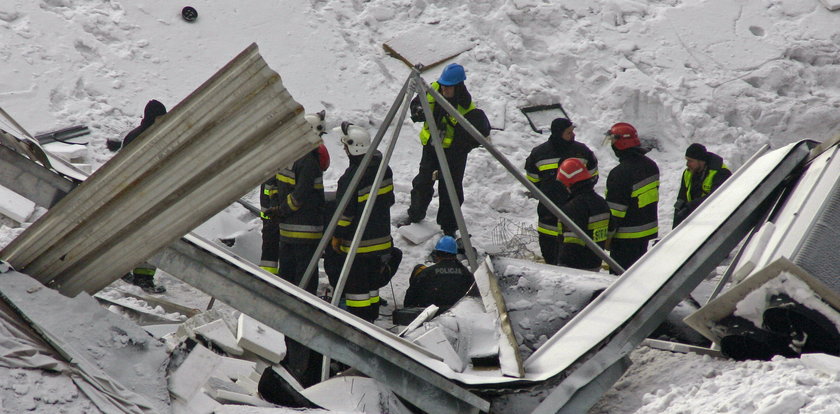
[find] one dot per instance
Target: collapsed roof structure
(199, 158)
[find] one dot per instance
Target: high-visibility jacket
(694, 188)
(589, 211)
(633, 195)
(446, 128)
(300, 198)
(376, 238)
(541, 169)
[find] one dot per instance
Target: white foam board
(15, 206)
(218, 333)
(260, 339)
(435, 341)
(831, 4)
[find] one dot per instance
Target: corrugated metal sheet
(224, 139)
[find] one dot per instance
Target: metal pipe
(354, 182)
(366, 212)
(529, 185)
(443, 165)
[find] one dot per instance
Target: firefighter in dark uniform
(309, 198)
(456, 142)
(144, 274)
(704, 173)
(541, 169)
(587, 210)
(443, 283)
(632, 195)
(361, 292)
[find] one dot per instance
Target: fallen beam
(230, 134)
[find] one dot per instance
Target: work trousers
(422, 190)
(626, 251)
(270, 246)
(294, 259)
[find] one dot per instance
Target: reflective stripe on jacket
(447, 130)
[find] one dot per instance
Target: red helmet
(625, 136)
(571, 171)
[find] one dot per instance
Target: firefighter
(704, 173)
(587, 210)
(456, 142)
(144, 274)
(443, 283)
(297, 208)
(541, 169)
(632, 195)
(361, 292)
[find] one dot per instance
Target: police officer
(456, 142)
(704, 173)
(588, 211)
(443, 283)
(541, 169)
(632, 195)
(361, 292)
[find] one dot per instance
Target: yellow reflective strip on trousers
(357, 303)
(300, 234)
(574, 240)
(272, 270)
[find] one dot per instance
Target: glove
(417, 114)
(336, 244)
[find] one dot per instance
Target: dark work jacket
(442, 284)
(541, 169)
(300, 200)
(633, 195)
(694, 188)
(589, 211)
(376, 238)
(152, 110)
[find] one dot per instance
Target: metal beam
(231, 133)
(38, 184)
(664, 276)
(313, 322)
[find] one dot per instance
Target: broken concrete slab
(258, 338)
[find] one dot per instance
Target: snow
(732, 75)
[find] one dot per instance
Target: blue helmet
(452, 74)
(447, 244)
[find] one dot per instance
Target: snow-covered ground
(733, 75)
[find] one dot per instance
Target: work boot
(405, 220)
(147, 283)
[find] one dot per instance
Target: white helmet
(316, 121)
(355, 138)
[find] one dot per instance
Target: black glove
(417, 114)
